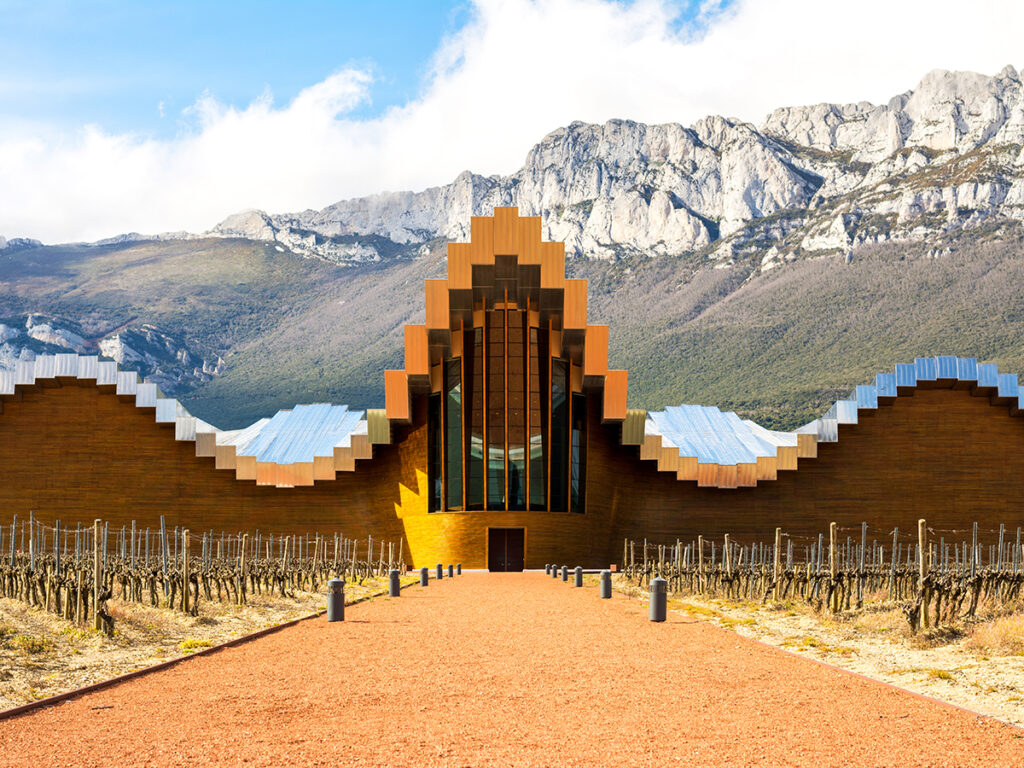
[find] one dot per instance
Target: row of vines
(937, 576)
(74, 571)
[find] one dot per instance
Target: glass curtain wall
(453, 428)
(506, 432)
(474, 356)
(516, 362)
(559, 435)
(495, 351)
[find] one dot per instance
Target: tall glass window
(516, 432)
(538, 414)
(453, 421)
(495, 410)
(578, 462)
(474, 356)
(435, 451)
(559, 435)
(501, 433)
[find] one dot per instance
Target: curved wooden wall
(940, 454)
(76, 453)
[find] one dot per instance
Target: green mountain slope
(778, 346)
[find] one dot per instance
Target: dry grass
(1002, 636)
(42, 655)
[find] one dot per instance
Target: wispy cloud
(515, 71)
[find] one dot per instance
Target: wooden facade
(74, 450)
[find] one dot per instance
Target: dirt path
(494, 669)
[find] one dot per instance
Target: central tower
(510, 370)
(507, 415)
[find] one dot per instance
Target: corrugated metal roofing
(714, 437)
(299, 435)
(295, 436)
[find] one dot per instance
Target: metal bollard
(440, 571)
(458, 569)
(659, 599)
(394, 585)
(336, 600)
(547, 569)
(451, 570)
(579, 577)
(424, 576)
(565, 573)
(606, 585)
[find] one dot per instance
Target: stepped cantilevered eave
(295, 447)
(703, 444)
(505, 261)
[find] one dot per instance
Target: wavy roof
(720, 449)
(294, 447)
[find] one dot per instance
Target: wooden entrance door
(506, 548)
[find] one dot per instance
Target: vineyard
(936, 576)
(74, 572)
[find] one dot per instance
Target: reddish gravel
(504, 669)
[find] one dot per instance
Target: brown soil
(505, 669)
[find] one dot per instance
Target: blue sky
(121, 64)
(151, 116)
(135, 67)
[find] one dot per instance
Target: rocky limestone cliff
(810, 180)
(158, 357)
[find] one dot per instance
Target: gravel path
(504, 669)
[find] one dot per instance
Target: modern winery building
(506, 440)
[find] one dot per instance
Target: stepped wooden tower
(506, 440)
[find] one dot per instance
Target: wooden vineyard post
(922, 570)
(184, 570)
(241, 570)
(1017, 552)
(163, 552)
(999, 560)
(833, 594)
(974, 551)
(700, 564)
(775, 564)
(316, 562)
(892, 569)
(860, 565)
(625, 554)
(96, 575)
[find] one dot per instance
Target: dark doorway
(505, 549)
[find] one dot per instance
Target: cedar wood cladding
(76, 453)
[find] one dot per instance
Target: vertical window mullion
(527, 404)
(467, 406)
(504, 351)
(485, 342)
(453, 405)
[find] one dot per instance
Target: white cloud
(518, 70)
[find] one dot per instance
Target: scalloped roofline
(718, 449)
(231, 450)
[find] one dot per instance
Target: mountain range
(765, 268)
